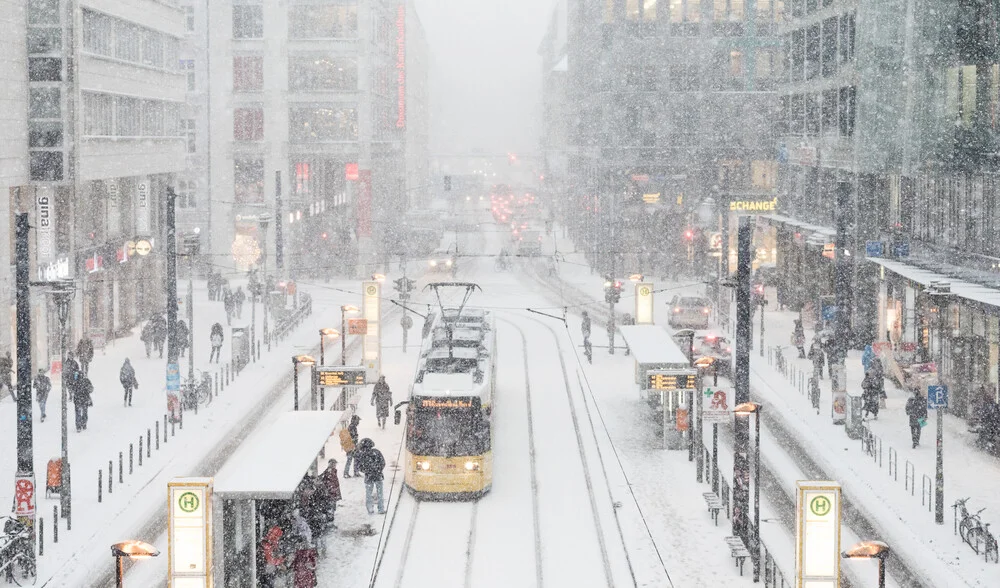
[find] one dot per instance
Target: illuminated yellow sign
(754, 205)
(341, 377)
(671, 382)
(189, 532)
(817, 533)
(445, 403)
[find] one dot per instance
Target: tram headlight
(472, 466)
(423, 465)
(448, 263)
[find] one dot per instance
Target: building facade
(673, 111)
(307, 126)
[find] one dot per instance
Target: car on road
(716, 347)
(441, 260)
(689, 311)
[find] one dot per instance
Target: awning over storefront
(962, 289)
(801, 225)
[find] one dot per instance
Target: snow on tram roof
(460, 384)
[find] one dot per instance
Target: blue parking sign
(937, 397)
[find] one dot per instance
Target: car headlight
(423, 465)
(448, 263)
(433, 262)
(472, 466)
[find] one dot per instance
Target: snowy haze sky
(485, 79)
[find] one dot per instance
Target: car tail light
(677, 309)
(705, 310)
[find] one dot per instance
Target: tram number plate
(341, 376)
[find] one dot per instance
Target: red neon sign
(351, 172)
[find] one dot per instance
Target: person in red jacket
(304, 568)
(274, 562)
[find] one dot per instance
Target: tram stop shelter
(665, 378)
(261, 479)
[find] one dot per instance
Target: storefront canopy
(959, 288)
(272, 463)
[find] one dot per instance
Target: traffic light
(404, 286)
(689, 235)
(612, 291)
(447, 183)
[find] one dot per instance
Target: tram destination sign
(341, 376)
(671, 380)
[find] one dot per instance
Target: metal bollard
(131, 459)
(55, 524)
(181, 417)
(227, 374)
(111, 476)
(140, 451)
(69, 521)
(149, 442)
(41, 536)
(164, 428)
(121, 468)
(100, 485)
(173, 429)
(157, 435)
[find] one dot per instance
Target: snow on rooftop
(271, 465)
(959, 288)
(652, 344)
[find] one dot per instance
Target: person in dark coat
(916, 409)
(817, 358)
(585, 326)
(333, 495)
(216, 339)
(85, 353)
(83, 393)
(239, 297)
(159, 333)
(127, 378)
(349, 443)
(71, 375)
(6, 369)
(183, 338)
(799, 338)
(871, 389)
(382, 401)
(229, 303)
(148, 336)
(42, 388)
(372, 463)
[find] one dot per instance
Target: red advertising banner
(364, 213)
(351, 172)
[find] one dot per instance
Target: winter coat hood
(355, 419)
(366, 444)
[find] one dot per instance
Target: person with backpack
(349, 442)
(372, 463)
(42, 388)
(216, 338)
(127, 378)
(916, 409)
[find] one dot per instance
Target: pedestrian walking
(216, 338)
(42, 388)
(148, 336)
(330, 480)
(127, 378)
(228, 303)
(799, 338)
(916, 409)
(349, 443)
(588, 350)
(817, 358)
(183, 338)
(611, 336)
(6, 369)
(71, 375)
(870, 394)
(239, 297)
(83, 399)
(85, 353)
(585, 326)
(159, 333)
(829, 347)
(626, 321)
(372, 463)
(382, 401)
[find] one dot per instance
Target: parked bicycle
(16, 550)
(975, 533)
(198, 391)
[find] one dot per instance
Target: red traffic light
(689, 234)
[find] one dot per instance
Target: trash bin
(53, 477)
(240, 340)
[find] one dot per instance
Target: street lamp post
(746, 409)
(343, 329)
(870, 550)
(263, 221)
(62, 294)
(296, 361)
(939, 293)
(323, 334)
(191, 247)
(133, 550)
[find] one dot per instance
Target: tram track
(772, 485)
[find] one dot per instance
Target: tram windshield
(448, 431)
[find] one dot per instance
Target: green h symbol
(188, 502)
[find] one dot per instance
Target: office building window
(128, 41)
(152, 118)
(248, 22)
(829, 118)
(187, 191)
(45, 134)
(320, 21)
(44, 69)
(248, 124)
(189, 18)
(736, 64)
(127, 117)
(43, 12)
(248, 180)
(632, 11)
(846, 46)
(187, 66)
(685, 11)
(152, 48)
(829, 47)
(729, 11)
(188, 130)
(333, 123)
(322, 73)
(44, 103)
(98, 33)
(846, 111)
(97, 115)
(248, 73)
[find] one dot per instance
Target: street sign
(874, 248)
(643, 303)
(715, 242)
(189, 531)
(937, 397)
(817, 534)
(715, 406)
(901, 249)
(173, 377)
(24, 496)
(340, 376)
(143, 247)
(406, 322)
(671, 380)
(357, 326)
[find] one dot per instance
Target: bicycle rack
(925, 491)
(910, 478)
(893, 464)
